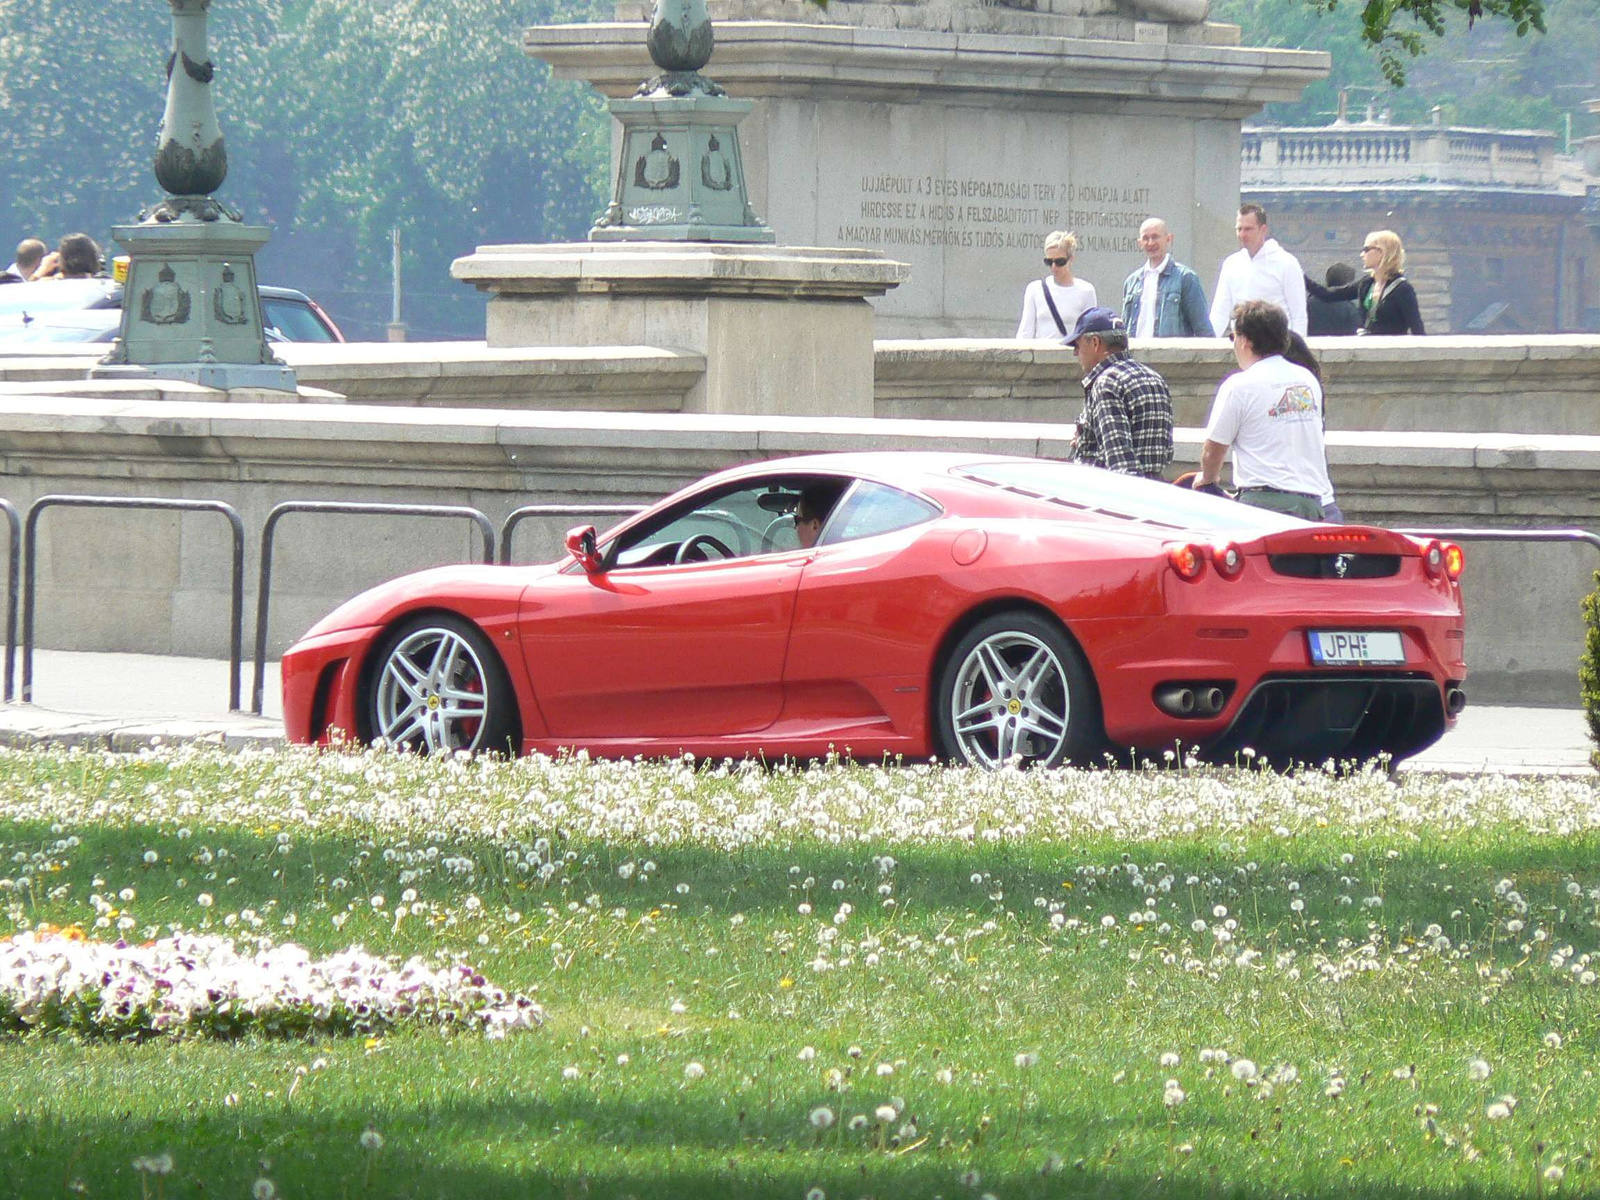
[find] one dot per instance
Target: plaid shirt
(1126, 424)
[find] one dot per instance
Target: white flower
(151, 858)
(816, 1194)
(1173, 1095)
(883, 1069)
(1498, 1111)
(693, 1071)
(1555, 1173)
(970, 1179)
(371, 1139)
(678, 1008)
(944, 1075)
(1478, 1069)
(885, 1113)
(263, 1189)
(570, 1073)
(1025, 1060)
(1169, 1059)
(1243, 1070)
(807, 1053)
(822, 1117)
(858, 1123)
(204, 900)
(1553, 1040)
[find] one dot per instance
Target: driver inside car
(812, 511)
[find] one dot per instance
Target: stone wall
(1545, 384)
(158, 583)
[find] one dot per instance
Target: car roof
(59, 295)
(1041, 488)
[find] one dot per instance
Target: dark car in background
(90, 310)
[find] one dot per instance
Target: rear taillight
(1188, 561)
(1454, 560)
(1229, 560)
(1433, 559)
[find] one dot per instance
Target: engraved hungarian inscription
(991, 213)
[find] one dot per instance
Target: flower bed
(187, 986)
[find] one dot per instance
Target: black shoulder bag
(1051, 301)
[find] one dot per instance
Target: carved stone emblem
(227, 302)
(656, 170)
(165, 303)
(715, 172)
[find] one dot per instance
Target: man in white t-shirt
(1051, 306)
(1259, 270)
(1270, 415)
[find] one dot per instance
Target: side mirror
(580, 544)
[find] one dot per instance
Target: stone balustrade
(1368, 153)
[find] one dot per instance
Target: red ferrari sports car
(968, 607)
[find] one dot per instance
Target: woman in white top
(1070, 296)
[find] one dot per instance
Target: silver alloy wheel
(432, 693)
(1010, 699)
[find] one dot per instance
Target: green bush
(1589, 669)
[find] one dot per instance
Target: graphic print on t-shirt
(1298, 403)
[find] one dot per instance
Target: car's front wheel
(1015, 688)
(438, 685)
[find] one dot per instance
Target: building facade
(1502, 233)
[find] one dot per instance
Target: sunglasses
(1056, 262)
(1368, 249)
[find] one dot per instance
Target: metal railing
(519, 515)
(30, 540)
(13, 581)
(269, 531)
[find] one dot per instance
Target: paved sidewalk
(125, 700)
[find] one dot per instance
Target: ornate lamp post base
(190, 308)
(681, 176)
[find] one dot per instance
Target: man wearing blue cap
(1126, 424)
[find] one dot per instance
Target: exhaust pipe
(1210, 701)
(1175, 699)
(1455, 699)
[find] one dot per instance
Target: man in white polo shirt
(1270, 415)
(1259, 270)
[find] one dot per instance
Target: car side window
(757, 517)
(874, 508)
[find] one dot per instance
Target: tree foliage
(344, 119)
(1487, 74)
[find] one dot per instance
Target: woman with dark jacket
(1387, 301)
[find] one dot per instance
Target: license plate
(1356, 648)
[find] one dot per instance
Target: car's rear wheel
(1016, 688)
(438, 685)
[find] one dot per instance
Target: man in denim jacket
(1163, 298)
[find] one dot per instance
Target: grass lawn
(847, 981)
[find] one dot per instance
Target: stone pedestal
(956, 137)
(191, 310)
(783, 329)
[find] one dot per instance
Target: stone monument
(955, 134)
(190, 307)
(679, 259)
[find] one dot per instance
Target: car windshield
(1091, 489)
(59, 295)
